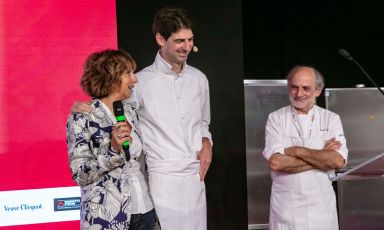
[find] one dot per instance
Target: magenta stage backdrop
(43, 46)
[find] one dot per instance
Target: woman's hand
(121, 133)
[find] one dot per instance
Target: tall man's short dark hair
(169, 20)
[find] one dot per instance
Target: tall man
(172, 101)
(303, 145)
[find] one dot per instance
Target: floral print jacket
(104, 175)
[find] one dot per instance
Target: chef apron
(178, 194)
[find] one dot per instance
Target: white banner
(34, 206)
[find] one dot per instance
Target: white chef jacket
(303, 200)
(174, 114)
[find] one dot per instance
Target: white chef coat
(303, 200)
(174, 114)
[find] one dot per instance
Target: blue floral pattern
(101, 172)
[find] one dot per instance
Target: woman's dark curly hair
(102, 72)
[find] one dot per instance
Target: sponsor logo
(66, 204)
(23, 207)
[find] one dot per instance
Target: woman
(114, 192)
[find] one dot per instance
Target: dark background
(240, 40)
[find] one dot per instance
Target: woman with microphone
(114, 191)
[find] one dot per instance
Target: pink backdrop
(43, 45)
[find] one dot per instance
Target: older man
(303, 145)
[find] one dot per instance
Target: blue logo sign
(66, 204)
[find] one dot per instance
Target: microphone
(348, 56)
(118, 109)
(345, 54)
(195, 49)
